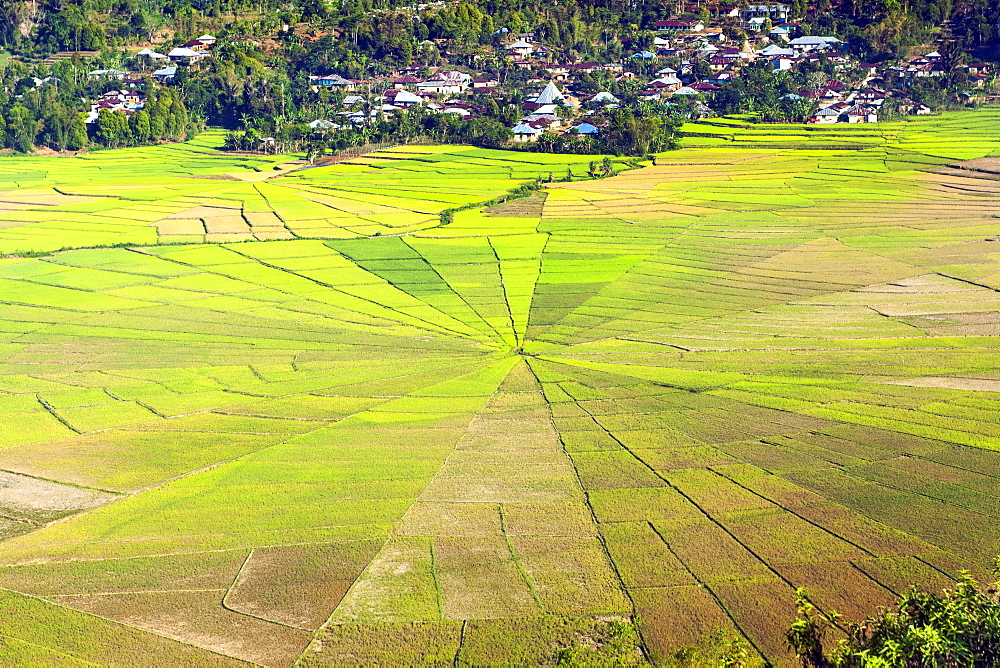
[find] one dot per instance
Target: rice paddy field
(287, 416)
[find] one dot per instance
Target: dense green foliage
(51, 113)
(954, 628)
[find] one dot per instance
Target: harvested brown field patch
(897, 574)
(837, 585)
(762, 611)
(780, 537)
(198, 618)
(674, 617)
(299, 585)
(711, 553)
(41, 501)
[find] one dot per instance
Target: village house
(520, 49)
(200, 44)
(527, 132)
(558, 72)
(782, 32)
(404, 81)
(812, 43)
(782, 63)
(685, 90)
(773, 51)
(331, 81)
(678, 25)
(185, 55)
(152, 55)
(605, 98)
(126, 101)
(666, 83)
(321, 125)
(775, 13)
(447, 82)
(165, 73)
(403, 99)
(825, 115)
(106, 74)
(584, 129)
(861, 113)
(550, 95)
(705, 87)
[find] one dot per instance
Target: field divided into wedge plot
(190, 193)
(670, 397)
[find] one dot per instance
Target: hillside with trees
(322, 76)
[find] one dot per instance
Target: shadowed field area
(264, 434)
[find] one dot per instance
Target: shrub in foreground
(959, 628)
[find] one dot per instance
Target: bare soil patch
(39, 501)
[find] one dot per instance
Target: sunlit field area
(255, 413)
(189, 193)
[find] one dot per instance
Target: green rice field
(257, 414)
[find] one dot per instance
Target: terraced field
(190, 193)
(669, 396)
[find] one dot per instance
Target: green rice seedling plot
(659, 402)
(168, 205)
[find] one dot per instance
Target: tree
(953, 628)
(76, 138)
(21, 128)
(112, 127)
(142, 129)
(701, 70)
(632, 134)
(178, 120)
